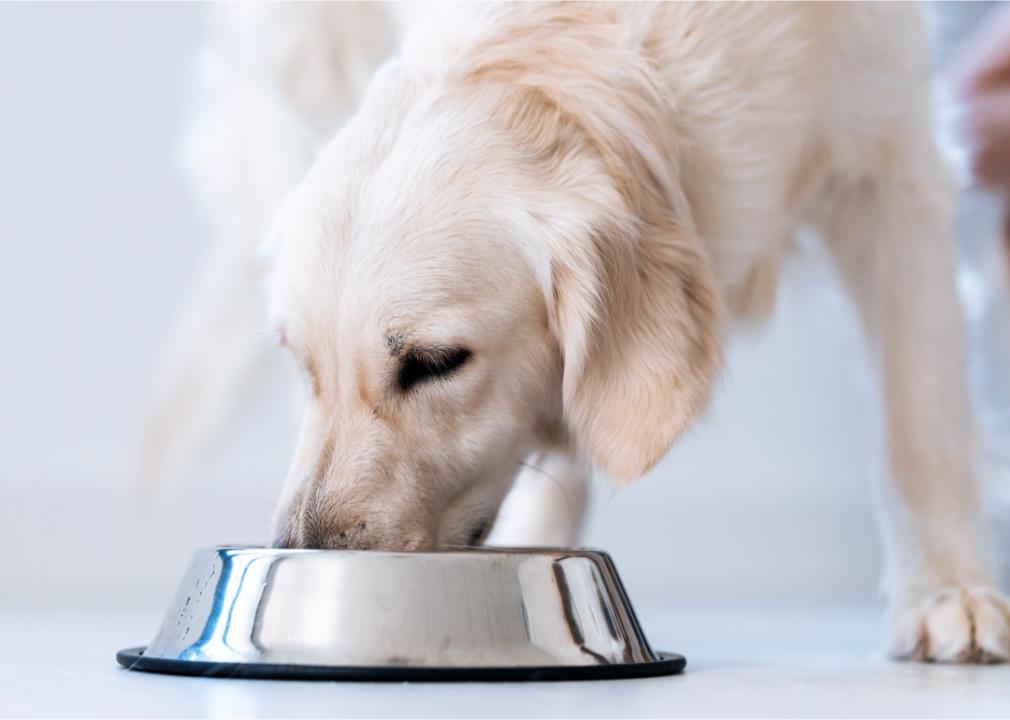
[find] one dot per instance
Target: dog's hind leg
(547, 504)
(891, 237)
(279, 80)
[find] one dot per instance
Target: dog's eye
(420, 366)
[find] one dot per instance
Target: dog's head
(473, 269)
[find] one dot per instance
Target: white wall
(766, 498)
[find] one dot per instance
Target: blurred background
(766, 500)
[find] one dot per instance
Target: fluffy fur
(586, 198)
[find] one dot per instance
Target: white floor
(756, 663)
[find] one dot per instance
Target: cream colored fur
(586, 198)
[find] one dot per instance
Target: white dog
(533, 233)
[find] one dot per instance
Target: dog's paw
(955, 625)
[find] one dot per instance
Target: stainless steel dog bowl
(474, 614)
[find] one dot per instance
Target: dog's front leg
(547, 504)
(891, 239)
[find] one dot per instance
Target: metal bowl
(471, 614)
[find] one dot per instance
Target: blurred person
(982, 79)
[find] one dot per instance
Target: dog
(529, 229)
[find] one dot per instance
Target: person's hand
(983, 85)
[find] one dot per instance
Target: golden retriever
(532, 235)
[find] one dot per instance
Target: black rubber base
(133, 659)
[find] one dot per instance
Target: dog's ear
(631, 298)
(635, 315)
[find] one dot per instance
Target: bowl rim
(441, 550)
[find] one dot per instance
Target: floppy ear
(630, 294)
(636, 318)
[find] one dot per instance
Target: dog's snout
(312, 531)
(341, 536)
